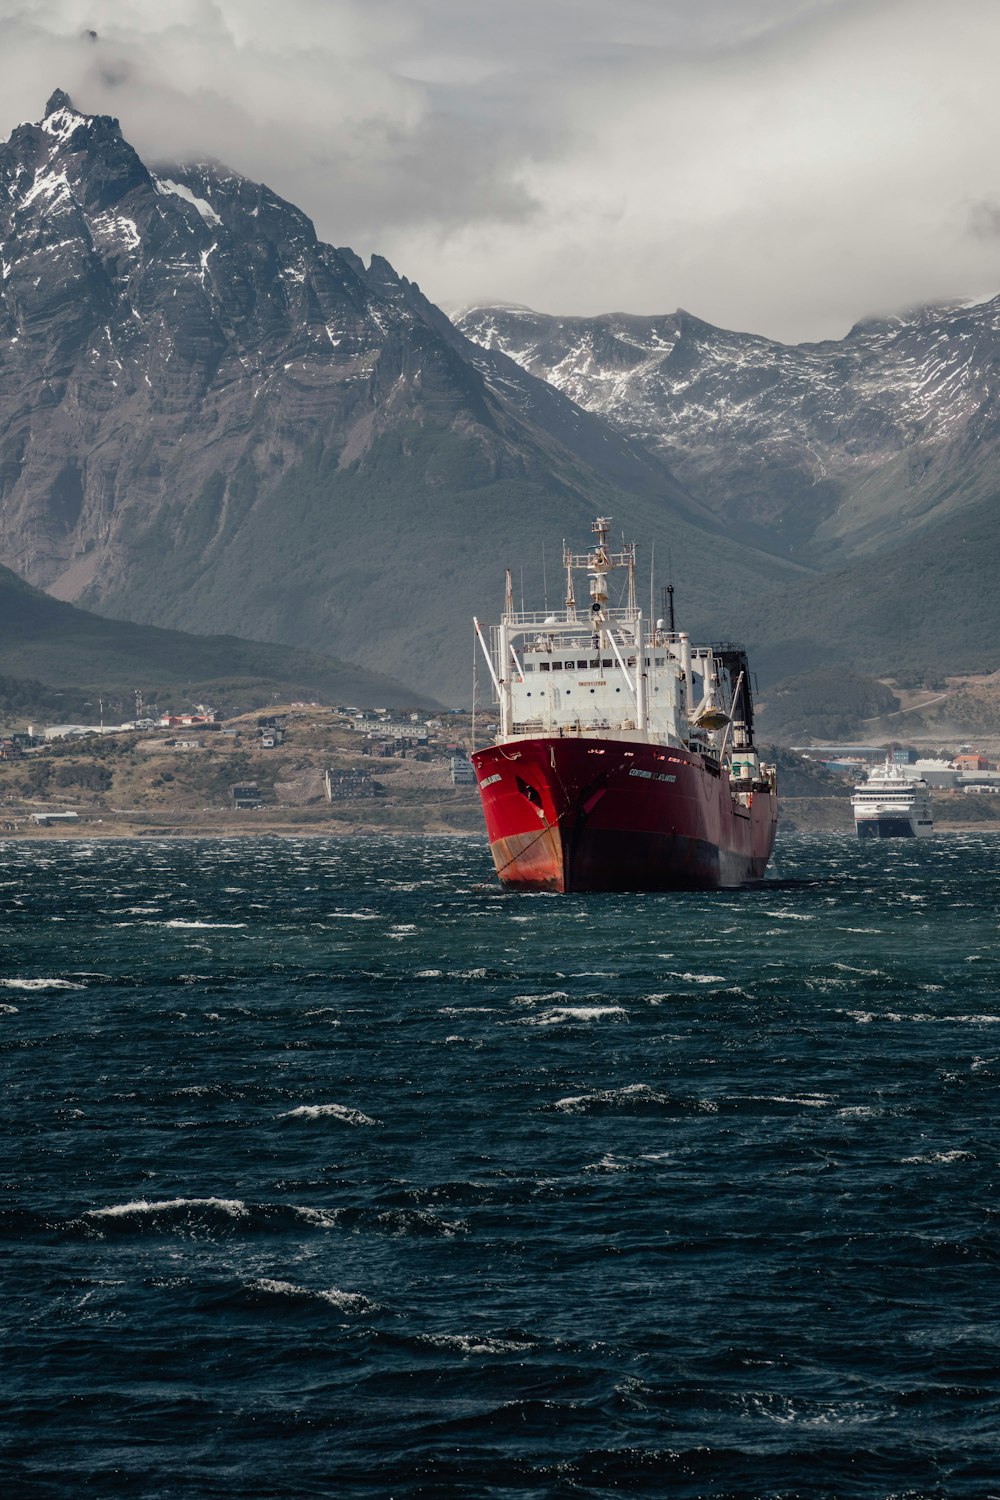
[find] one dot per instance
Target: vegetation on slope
(56, 660)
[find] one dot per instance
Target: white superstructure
(596, 668)
(892, 804)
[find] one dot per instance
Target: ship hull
(891, 828)
(580, 814)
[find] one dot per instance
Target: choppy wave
(349, 1302)
(233, 1207)
(329, 1111)
(683, 1193)
(41, 984)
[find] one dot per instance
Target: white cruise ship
(892, 805)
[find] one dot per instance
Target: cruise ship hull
(891, 828)
(588, 814)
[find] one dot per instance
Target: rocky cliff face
(210, 419)
(821, 451)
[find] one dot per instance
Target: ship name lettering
(490, 779)
(651, 775)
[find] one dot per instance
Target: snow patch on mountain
(167, 186)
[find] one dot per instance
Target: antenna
(667, 606)
(522, 590)
(667, 595)
(652, 611)
(475, 690)
(545, 582)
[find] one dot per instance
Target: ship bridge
(590, 668)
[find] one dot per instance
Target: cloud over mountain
(780, 165)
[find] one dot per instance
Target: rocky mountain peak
(818, 450)
(58, 100)
(210, 418)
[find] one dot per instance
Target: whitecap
(326, 1218)
(335, 1111)
(576, 1103)
(9, 1010)
(469, 1343)
(699, 978)
(402, 1220)
(343, 1301)
(570, 1014)
(40, 984)
(936, 1157)
(192, 923)
(232, 1206)
(812, 1101)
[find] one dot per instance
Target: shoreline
(146, 832)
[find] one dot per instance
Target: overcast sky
(782, 166)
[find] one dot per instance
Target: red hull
(579, 814)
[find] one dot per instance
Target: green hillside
(55, 657)
(928, 606)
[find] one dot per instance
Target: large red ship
(625, 758)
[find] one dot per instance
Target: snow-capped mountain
(209, 418)
(818, 450)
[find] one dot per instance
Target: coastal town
(307, 768)
(299, 767)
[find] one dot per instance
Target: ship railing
(574, 726)
(559, 620)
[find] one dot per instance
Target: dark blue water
(326, 1172)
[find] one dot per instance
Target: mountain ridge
(213, 420)
(819, 451)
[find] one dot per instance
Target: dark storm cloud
(783, 165)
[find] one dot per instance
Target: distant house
(978, 781)
(971, 760)
(462, 771)
(67, 731)
(350, 786)
(187, 721)
(246, 795)
(46, 818)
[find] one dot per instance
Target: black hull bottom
(886, 828)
